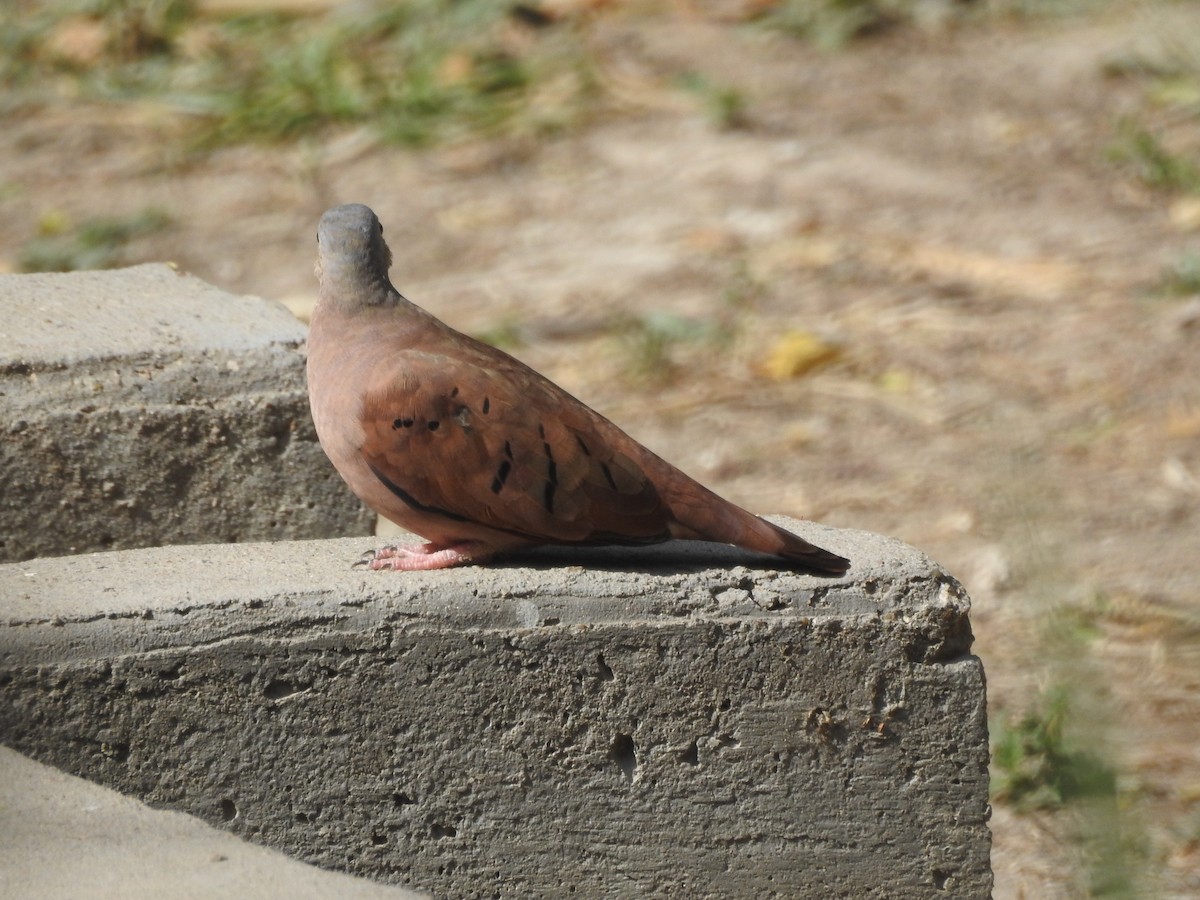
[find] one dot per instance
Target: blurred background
(924, 267)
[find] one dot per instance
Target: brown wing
(473, 434)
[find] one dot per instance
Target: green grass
(506, 334)
(418, 72)
(1154, 164)
(834, 24)
(1035, 766)
(1058, 755)
(1182, 277)
(726, 106)
(1054, 757)
(831, 24)
(93, 244)
(1161, 143)
(650, 343)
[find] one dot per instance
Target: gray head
(351, 253)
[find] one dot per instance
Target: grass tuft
(726, 106)
(1035, 766)
(1182, 277)
(506, 334)
(651, 341)
(1154, 164)
(419, 72)
(94, 244)
(832, 24)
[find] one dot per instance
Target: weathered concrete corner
(675, 721)
(144, 407)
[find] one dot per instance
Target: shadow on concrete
(670, 558)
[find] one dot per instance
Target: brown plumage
(474, 451)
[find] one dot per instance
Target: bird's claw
(371, 555)
(421, 556)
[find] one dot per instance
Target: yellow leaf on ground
(798, 353)
(896, 381)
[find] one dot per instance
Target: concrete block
(145, 407)
(66, 838)
(669, 721)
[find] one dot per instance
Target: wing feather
(485, 439)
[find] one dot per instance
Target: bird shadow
(671, 558)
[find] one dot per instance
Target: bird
(472, 450)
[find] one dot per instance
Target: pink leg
(419, 556)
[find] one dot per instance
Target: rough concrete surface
(674, 721)
(64, 837)
(144, 407)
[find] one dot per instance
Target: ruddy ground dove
(466, 446)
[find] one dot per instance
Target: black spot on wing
(608, 475)
(501, 476)
(551, 465)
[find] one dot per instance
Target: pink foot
(419, 556)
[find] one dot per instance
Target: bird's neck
(351, 289)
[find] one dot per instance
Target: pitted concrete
(673, 721)
(145, 407)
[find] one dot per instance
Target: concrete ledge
(669, 721)
(145, 407)
(65, 837)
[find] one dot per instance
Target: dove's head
(352, 257)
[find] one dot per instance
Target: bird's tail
(806, 556)
(716, 519)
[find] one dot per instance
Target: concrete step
(145, 407)
(67, 838)
(682, 720)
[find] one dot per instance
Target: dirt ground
(1012, 393)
